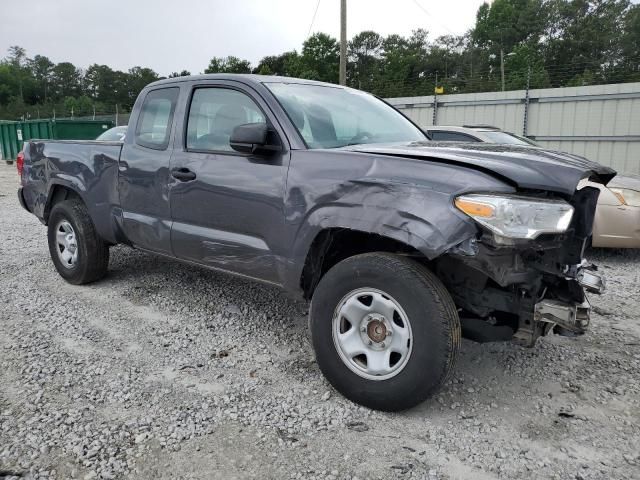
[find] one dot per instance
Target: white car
(476, 133)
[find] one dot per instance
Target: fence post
(117, 124)
(526, 104)
(434, 120)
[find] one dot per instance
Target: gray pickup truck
(401, 244)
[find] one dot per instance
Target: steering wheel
(361, 136)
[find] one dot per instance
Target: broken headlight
(517, 217)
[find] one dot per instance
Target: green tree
(365, 55)
(630, 43)
(106, 86)
(17, 58)
(136, 79)
(525, 62)
(229, 64)
(499, 29)
(286, 64)
(583, 39)
(8, 83)
(405, 67)
(320, 58)
(507, 23)
(41, 69)
(183, 73)
(66, 81)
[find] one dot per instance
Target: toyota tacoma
(401, 244)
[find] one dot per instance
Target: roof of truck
(244, 78)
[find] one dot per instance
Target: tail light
(20, 163)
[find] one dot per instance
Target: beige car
(617, 221)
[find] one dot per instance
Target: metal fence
(118, 119)
(600, 122)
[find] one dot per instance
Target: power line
(432, 17)
(313, 19)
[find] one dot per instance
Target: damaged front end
(524, 274)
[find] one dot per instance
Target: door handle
(183, 174)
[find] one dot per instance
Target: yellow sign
(439, 90)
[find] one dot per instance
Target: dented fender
(414, 207)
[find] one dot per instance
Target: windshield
(115, 134)
(330, 117)
(509, 138)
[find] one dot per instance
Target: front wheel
(78, 253)
(385, 330)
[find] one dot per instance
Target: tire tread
(97, 251)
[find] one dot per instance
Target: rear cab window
(156, 117)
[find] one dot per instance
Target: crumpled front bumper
(572, 317)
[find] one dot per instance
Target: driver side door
(226, 206)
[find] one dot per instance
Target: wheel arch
(332, 245)
(57, 193)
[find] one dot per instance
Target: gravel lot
(163, 370)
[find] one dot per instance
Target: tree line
(543, 43)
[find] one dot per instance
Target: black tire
(93, 253)
(432, 315)
(9, 162)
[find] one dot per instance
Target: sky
(170, 35)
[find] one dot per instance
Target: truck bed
(87, 166)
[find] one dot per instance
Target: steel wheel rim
(66, 244)
(372, 334)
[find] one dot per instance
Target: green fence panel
(9, 143)
(13, 134)
(80, 129)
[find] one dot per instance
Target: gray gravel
(169, 371)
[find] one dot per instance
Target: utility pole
(343, 42)
(502, 66)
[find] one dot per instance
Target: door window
(214, 113)
(154, 123)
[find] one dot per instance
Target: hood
(526, 167)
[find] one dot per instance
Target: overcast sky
(170, 35)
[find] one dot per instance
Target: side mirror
(252, 138)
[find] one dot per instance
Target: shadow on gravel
(481, 368)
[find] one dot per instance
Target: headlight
(627, 196)
(516, 216)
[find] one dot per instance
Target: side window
(441, 136)
(154, 123)
(214, 113)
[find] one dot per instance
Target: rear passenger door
(226, 206)
(144, 172)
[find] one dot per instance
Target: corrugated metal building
(600, 122)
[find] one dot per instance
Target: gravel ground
(163, 370)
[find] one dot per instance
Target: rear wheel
(385, 330)
(78, 253)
